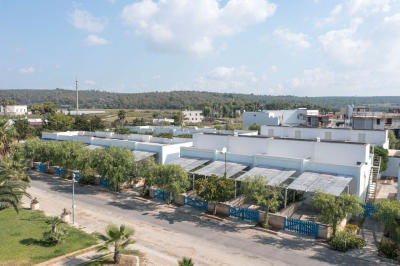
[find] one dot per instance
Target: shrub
(352, 241)
(144, 193)
(390, 250)
(55, 238)
(87, 177)
(352, 227)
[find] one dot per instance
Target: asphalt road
(277, 251)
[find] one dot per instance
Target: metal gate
(162, 195)
(301, 227)
(77, 176)
(104, 182)
(40, 167)
(196, 203)
(369, 209)
(59, 171)
(244, 214)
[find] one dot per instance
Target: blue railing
(104, 182)
(301, 227)
(40, 167)
(59, 171)
(369, 209)
(196, 203)
(162, 195)
(244, 214)
(77, 175)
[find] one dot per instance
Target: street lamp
(73, 198)
(224, 150)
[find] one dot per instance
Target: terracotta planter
(34, 206)
(65, 218)
(390, 182)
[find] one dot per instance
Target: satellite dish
(224, 150)
(196, 128)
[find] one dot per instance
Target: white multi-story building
(376, 137)
(15, 110)
(193, 116)
(278, 117)
(176, 130)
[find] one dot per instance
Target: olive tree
(256, 188)
(66, 154)
(215, 189)
(32, 148)
(115, 163)
(335, 209)
(389, 211)
(46, 153)
(172, 179)
(148, 170)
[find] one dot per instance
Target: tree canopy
(173, 179)
(389, 212)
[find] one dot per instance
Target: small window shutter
(328, 135)
(361, 137)
(297, 134)
(270, 132)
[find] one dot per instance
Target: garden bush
(352, 241)
(390, 250)
(87, 177)
(144, 193)
(352, 227)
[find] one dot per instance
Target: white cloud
(264, 77)
(221, 73)
(27, 71)
(273, 69)
(90, 82)
(341, 48)
(222, 47)
(92, 40)
(292, 40)
(82, 19)
(189, 27)
(58, 66)
(156, 77)
(393, 19)
(9, 69)
(111, 1)
(353, 8)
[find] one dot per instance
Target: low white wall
(392, 167)
(398, 185)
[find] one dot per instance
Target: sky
(276, 47)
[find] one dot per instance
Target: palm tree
(17, 165)
(53, 221)
(185, 262)
(119, 238)
(8, 135)
(11, 192)
(5, 103)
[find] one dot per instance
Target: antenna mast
(77, 98)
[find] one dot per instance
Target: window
(196, 118)
(192, 118)
(328, 135)
(190, 114)
(297, 134)
(254, 115)
(378, 121)
(361, 137)
(196, 115)
(388, 121)
(270, 132)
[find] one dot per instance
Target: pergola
(333, 184)
(140, 155)
(189, 163)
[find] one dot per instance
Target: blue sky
(302, 47)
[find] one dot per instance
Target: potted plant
(65, 215)
(34, 204)
(352, 228)
(390, 180)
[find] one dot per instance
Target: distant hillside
(176, 99)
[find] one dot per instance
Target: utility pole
(77, 98)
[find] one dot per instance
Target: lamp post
(224, 150)
(73, 198)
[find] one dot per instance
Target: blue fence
(77, 175)
(196, 203)
(369, 209)
(162, 195)
(244, 214)
(40, 167)
(59, 171)
(104, 182)
(301, 227)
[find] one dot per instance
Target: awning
(218, 168)
(189, 163)
(140, 155)
(93, 147)
(328, 183)
(274, 175)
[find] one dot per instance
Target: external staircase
(373, 180)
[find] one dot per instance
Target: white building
(278, 117)
(82, 112)
(193, 116)
(349, 160)
(376, 137)
(175, 130)
(164, 149)
(15, 110)
(162, 120)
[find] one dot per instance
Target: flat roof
(329, 128)
(140, 155)
(93, 147)
(394, 153)
(274, 175)
(333, 184)
(218, 168)
(284, 138)
(189, 163)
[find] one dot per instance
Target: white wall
(323, 152)
(251, 118)
(392, 167)
(377, 137)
